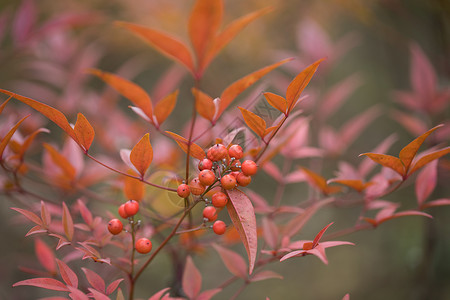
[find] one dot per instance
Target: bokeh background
(46, 46)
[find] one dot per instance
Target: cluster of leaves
(286, 136)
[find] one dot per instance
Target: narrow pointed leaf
(76, 294)
(276, 101)
(264, 275)
(97, 295)
(128, 89)
(319, 235)
(45, 256)
(255, 122)
(403, 214)
(167, 45)
(45, 283)
(29, 215)
(62, 162)
(85, 212)
(208, 294)
(237, 87)
(165, 107)
(30, 138)
(141, 155)
(8, 137)
(195, 150)
(159, 294)
(429, 158)
(192, 279)
(242, 215)
(203, 25)
(299, 83)
(355, 184)
(84, 131)
(45, 214)
(204, 104)
(67, 222)
(426, 182)
(320, 182)
(438, 202)
(94, 280)
(407, 153)
(113, 286)
(388, 161)
(69, 276)
(4, 104)
(233, 261)
(51, 113)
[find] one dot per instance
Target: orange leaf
(228, 34)
(270, 129)
(299, 83)
(319, 182)
(204, 23)
(128, 89)
(65, 166)
(276, 101)
(355, 184)
(204, 104)
(8, 137)
(408, 153)
(237, 87)
(84, 131)
(195, 150)
(133, 188)
(165, 107)
(167, 45)
(67, 222)
(4, 104)
(51, 113)
(255, 122)
(29, 139)
(387, 161)
(429, 158)
(141, 155)
(242, 215)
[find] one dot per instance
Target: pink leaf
(97, 295)
(270, 232)
(242, 215)
(159, 294)
(45, 214)
(438, 202)
(266, 274)
(113, 286)
(67, 222)
(46, 283)
(319, 235)
(45, 256)
(208, 294)
(85, 212)
(426, 182)
(69, 276)
(31, 216)
(233, 261)
(192, 279)
(76, 294)
(94, 280)
(423, 77)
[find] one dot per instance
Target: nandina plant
(211, 182)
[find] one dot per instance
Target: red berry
(196, 187)
(243, 180)
(205, 164)
(219, 199)
(183, 190)
(217, 152)
(235, 165)
(219, 227)
(228, 182)
(236, 151)
(207, 177)
(249, 167)
(131, 207)
(122, 211)
(115, 226)
(210, 213)
(143, 245)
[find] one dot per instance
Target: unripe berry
(210, 213)
(115, 226)
(207, 177)
(236, 151)
(131, 207)
(235, 165)
(183, 190)
(196, 187)
(228, 182)
(205, 164)
(243, 180)
(249, 167)
(219, 227)
(122, 211)
(219, 199)
(143, 245)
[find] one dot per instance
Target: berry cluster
(127, 211)
(223, 167)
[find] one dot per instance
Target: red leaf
(85, 212)
(4, 104)
(204, 104)
(84, 132)
(409, 152)
(299, 83)
(8, 137)
(192, 279)
(164, 107)
(30, 216)
(51, 113)
(208, 294)
(45, 256)
(195, 150)
(64, 164)
(113, 286)
(45, 214)
(97, 295)
(266, 274)
(128, 89)
(141, 155)
(237, 87)
(76, 294)
(67, 222)
(167, 45)
(159, 294)
(46, 283)
(242, 215)
(233, 261)
(426, 182)
(255, 122)
(94, 280)
(388, 161)
(276, 101)
(69, 276)
(35, 230)
(319, 235)
(429, 158)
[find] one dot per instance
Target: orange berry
(143, 245)
(196, 187)
(207, 177)
(210, 213)
(219, 199)
(122, 211)
(228, 182)
(219, 227)
(236, 151)
(249, 167)
(205, 164)
(243, 180)
(217, 152)
(115, 226)
(131, 207)
(183, 190)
